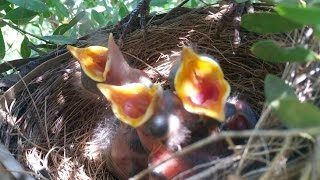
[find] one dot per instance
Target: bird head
(92, 60)
(239, 115)
(133, 103)
(199, 83)
(107, 65)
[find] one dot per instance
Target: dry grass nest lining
(56, 101)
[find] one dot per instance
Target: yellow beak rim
(133, 103)
(200, 84)
(93, 61)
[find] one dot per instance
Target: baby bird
(106, 65)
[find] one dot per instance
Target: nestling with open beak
(106, 65)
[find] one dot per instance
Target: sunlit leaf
(295, 114)
(304, 15)
(268, 23)
(276, 88)
(20, 14)
(98, 17)
(61, 9)
(268, 50)
(61, 40)
(32, 5)
(25, 51)
(2, 46)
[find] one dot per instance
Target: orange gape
(200, 84)
(92, 59)
(162, 122)
(107, 65)
(132, 103)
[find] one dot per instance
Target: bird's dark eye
(157, 126)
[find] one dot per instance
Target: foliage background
(26, 23)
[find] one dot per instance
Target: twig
(45, 122)
(277, 159)
(23, 31)
(246, 150)
(232, 134)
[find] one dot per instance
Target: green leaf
(4, 5)
(62, 29)
(25, 51)
(275, 88)
(268, 23)
(65, 27)
(273, 2)
(9, 8)
(61, 40)
(193, 3)
(158, 3)
(268, 50)
(113, 2)
(2, 24)
(241, 1)
(20, 14)
(304, 15)
(123, 10)
(2, 46)
(32, 5)
(61, 9)
(98, 17)
(77, 18)
(295, 114)
(316, 29)
(47, 14)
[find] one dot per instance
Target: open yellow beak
(132, 103)
(200, 84)
(93, 61)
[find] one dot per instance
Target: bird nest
(56, 129)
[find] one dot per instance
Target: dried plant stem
(263, 117)
(280, 155)
(232, 134)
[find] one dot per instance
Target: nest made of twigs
(56, 125)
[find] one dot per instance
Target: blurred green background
(27, 26)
